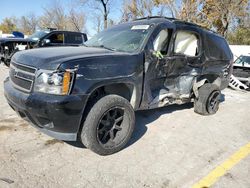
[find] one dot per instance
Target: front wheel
(109, 125)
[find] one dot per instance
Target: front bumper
(57, 116)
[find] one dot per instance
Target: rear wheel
(208, 99)
(109, 125)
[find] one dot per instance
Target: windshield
(243, 61)
(37, 35)
(125, 38)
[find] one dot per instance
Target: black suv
(44, 38)
(91, 92)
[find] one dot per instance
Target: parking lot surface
(171, 147)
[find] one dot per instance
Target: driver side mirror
(45, 41)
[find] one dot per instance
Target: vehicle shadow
(144, 118)
(77, 144)
(222, 98)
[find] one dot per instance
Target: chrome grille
(22, 76)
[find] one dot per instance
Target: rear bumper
(57, 116)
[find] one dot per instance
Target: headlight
(57, 83)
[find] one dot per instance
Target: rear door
(184, 63)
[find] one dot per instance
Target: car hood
(51, 58)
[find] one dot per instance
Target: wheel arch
(208, 78)
(123, 89)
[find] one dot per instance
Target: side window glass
(186, 43)
(161, 40)
(219, 49)
(74, 38)
(56, 38)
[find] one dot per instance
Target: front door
(55, 39)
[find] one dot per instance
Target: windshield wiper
(105, 47)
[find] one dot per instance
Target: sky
(18, 8)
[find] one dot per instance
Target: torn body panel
(168, 81)
(183, 66)
(169, 78)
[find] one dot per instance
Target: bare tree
(125, 12)
(100, 7)
(57, 16)
(28, 24)
(76, 20)
(133, 9)
(171, 6)
(105, 12)
(98, 24)
(54, 16)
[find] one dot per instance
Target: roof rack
(151, 17)
(175, 20)
(186, 23)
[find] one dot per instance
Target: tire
(208, 99)
(108, 125)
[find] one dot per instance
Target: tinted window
(217, 47)
(56, 38)
(72, 38)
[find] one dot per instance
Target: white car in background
(241, 69)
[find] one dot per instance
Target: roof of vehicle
(244, 57)
(67, 31)
(160, 19)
